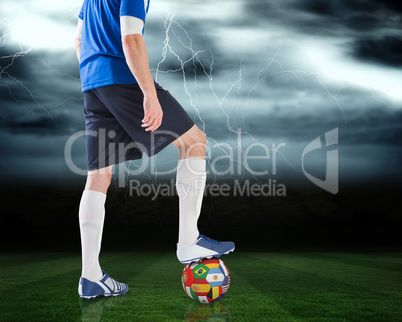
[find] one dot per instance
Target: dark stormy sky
(276, 71)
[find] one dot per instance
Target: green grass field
(299, 286)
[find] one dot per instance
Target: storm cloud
(387, 50)
(285, 71)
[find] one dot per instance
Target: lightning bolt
(173, 25)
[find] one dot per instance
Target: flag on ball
(206, 281)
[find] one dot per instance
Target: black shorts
(113, 118)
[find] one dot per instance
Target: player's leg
(91, 219)
(103, 135)
(94, 281)
(125, 103)
(190, 184)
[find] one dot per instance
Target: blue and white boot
(203, 248)
(106, 286)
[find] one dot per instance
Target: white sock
(91, 217)
(190, 185)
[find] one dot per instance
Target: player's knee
(202, 138)
(98, 180)
(195, 144)
(193, 139)
(106, 179)
(198, 138)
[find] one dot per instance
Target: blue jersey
(102, 60)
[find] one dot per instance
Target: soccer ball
(206, 281)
